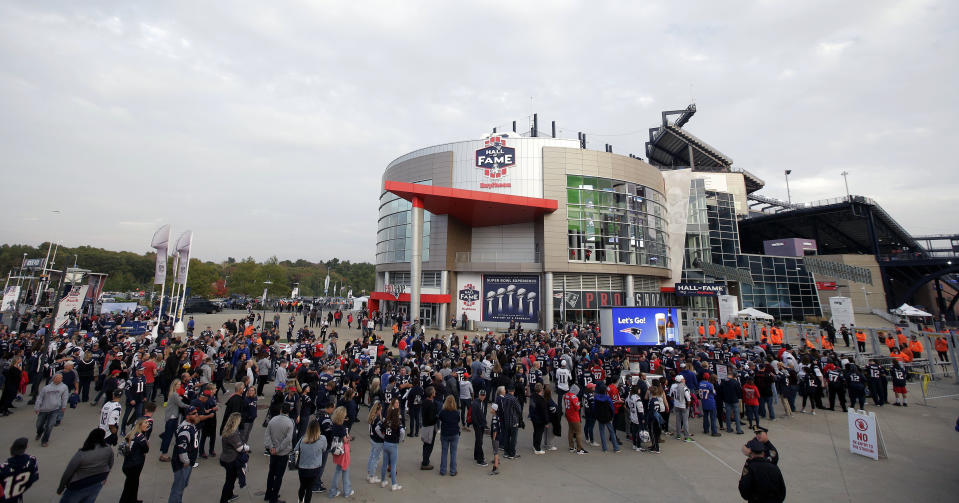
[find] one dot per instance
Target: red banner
(826, 285)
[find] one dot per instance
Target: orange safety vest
(941, 344)
(899, 356)
(915, 347)
(702, 330)
(809, 344)
(712, 330)
(906, 356)
(901, 338)
(777, 336)
(825, 342)
(860, 336)
(890, 341)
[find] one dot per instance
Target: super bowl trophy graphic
(489, 298)
(531, 297)
(499, 297)
(519, 296)
(510, 290)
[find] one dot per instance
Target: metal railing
(498, 257)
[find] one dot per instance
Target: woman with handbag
(232, 457)
(341, 455)
(307, 459)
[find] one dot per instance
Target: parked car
(200, 305)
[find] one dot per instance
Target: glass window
(574, 181)
(572, 196)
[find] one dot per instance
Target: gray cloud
(265, 128)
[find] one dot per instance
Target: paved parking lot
(922, 443)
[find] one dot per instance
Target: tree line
(129, 271)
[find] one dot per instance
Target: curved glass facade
(394, 236)
(615, 222)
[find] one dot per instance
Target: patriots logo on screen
(495, 157)
(469, 294)
(636, 332)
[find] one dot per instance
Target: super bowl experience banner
(639, 326)
(508, 297)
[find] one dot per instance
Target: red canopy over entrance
(473, 207)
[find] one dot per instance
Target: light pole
(845, 177)
(865, 295)
(789, 197)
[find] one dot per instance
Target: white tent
(907, 310)
(753, 313)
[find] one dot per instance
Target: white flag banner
(70, 302)
(263, 300)
(326, 285)
(350, 295)
(161, 243)
(10, 296)
(183, 246)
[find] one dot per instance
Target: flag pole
(186, 275)
(173, 289)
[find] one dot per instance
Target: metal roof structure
(672, 147)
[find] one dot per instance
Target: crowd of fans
(206, 385)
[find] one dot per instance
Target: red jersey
(571, 406)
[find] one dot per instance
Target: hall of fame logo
(495, 157)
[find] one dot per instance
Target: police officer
(769, 450)
(761, 480)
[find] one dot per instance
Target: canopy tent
(907, 310)
(750, 312)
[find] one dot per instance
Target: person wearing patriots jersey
(110, 417)
(563, 378)
(136, 393)
(185, 452)
(18, 473)
(899, 382)
(597, 372)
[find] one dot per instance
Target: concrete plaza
(922, 445)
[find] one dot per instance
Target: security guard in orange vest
(861, 340)
(900, 338)
(777, 335)
(916, 347)
(762, 335)
(702, 330)
(824, 342)
(890, 342)
(942, 347)
(712, 328)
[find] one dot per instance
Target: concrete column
(416, 259)
(630, 290)
(444, 289)
(547, 301)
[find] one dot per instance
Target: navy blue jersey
(17, 474)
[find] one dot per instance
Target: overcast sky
(265, 126)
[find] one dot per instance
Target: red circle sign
(861, 425)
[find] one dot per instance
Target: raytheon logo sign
(494, 159)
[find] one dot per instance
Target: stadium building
(530, 228)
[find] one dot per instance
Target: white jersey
(110, 416)
(562, 378)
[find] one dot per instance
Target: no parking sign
(864, 436)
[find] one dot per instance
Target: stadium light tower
(845, 177)
(789, 197)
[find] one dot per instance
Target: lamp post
(789, 197)
(845, 177)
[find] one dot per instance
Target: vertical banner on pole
(183, 245)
